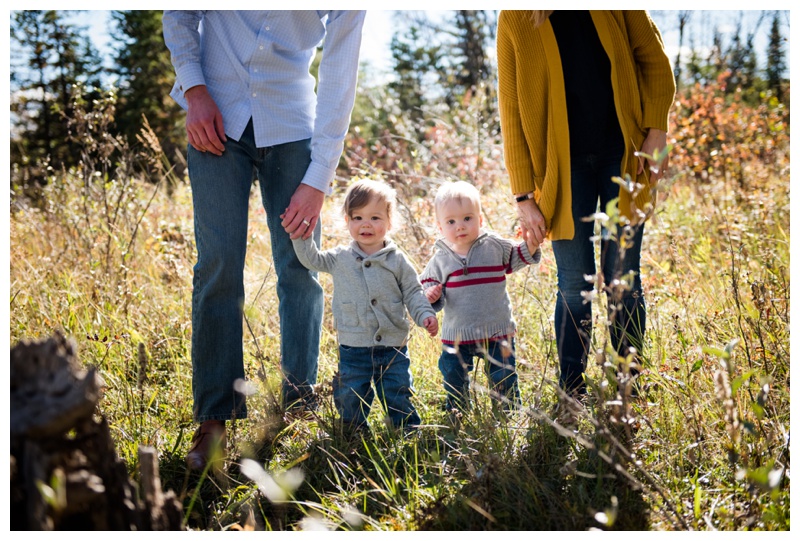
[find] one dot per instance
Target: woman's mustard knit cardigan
(533, 106)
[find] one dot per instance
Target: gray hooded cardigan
(370, 292)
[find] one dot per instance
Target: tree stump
(65, 472)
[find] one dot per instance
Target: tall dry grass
(106, 256)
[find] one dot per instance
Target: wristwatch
(524, 197)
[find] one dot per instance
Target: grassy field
(109, 262)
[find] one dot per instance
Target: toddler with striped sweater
(466, 277)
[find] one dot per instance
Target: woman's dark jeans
(575, 260)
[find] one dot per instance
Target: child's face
(369, 224)
(460, 222)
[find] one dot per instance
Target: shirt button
(359, 259)
(374, 302)
(266, 28)
(378, 338)
(261, 47)
(367, 264)
(254, 94)
(255, 70)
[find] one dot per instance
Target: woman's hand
(534, 228)
(656, 140)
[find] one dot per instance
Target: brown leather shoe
(208, 445)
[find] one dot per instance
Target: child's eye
(467, 218)
(357, 218)
(451, 222)
(376, 218)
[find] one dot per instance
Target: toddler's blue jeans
(456, 362)
(389, 370)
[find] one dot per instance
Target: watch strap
(524, 197)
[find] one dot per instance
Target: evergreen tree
(776, 58)
(474, 31)
(696, 66)
(146, 77)
(683, 20)
(716, 57)
(475, 75)
(415, 59)
(736, 60)
(743, 63)
(53, 62)
(452, 53)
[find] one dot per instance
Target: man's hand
(434, 293)
(656, 140)
(301, 216)
(431, 325)
(204, 121)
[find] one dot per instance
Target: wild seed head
(142, 366)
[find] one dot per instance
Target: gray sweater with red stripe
(474, 297)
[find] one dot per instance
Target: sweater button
(378, 338)
(374, 302)
(367, 264)
(359, 259)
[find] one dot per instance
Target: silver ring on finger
(308, 224)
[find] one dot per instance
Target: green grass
(111, 266)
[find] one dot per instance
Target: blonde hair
(539, 17)
(457, 191)
(361, 192)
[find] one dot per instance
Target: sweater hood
(388, 247)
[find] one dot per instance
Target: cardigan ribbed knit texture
(474, 297)
(533, 109)
(370, 292)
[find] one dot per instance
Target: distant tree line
(58, 81)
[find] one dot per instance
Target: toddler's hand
(431, 325)
(434, 293)
(531, 241)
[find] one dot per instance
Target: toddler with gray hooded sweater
(467, 278)
(373, 285)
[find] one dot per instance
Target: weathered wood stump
(65, 471)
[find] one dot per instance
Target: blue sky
(377, 34)
(379, 26)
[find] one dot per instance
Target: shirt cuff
(189, 76)
(319, 177)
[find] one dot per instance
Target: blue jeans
(389, 369)
(575, 258)
(501, 372)
(220, 194)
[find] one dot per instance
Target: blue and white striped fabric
(255, 65)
